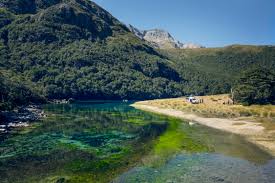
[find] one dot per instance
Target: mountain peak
(60, 20)
(161, 39)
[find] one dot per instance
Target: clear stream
(107, 141)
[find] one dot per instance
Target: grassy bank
(216, 106)
(256, 123)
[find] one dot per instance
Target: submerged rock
(3, 130)
(63, 101)
(61, 180)
(20, 117)
(20, 124)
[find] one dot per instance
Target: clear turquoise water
(203, 167)
(105, 141)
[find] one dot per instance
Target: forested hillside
(73, 48)
(60, 49)
(216, 70)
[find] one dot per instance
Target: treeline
(256, 86)
(75, 49)
(15, 93)
(215, 70)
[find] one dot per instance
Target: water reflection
(95, 141)
(80, 143)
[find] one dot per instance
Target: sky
(211, 23)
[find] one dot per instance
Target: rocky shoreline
(20, 117)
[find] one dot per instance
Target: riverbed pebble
(3, 130)
(16, 125)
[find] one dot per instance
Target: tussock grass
(216, 106)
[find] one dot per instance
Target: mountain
(136, 31)
(216, 70)
(57, 20)
(59, 49)
(161, 39)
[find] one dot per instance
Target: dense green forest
(256, 86)
(215, 70)
(60, 49)
(75, 49)
(14, 92)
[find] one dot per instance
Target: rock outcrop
(161, 39)
(20, 117)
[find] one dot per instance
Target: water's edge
(252, 133)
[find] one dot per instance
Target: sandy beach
(254, 132)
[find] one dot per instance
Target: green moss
(135, 121)
(76, 145)
(84, 143)
(81, 178)
(176, 139)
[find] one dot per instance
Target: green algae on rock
(95, 142)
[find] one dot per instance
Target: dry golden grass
(216, 106)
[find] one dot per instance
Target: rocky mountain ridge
(161, 39)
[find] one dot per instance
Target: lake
(108, 141)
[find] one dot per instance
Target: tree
(256, 86)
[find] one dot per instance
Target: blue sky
(212, 23)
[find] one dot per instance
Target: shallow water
(208, 168)
(104, 141)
